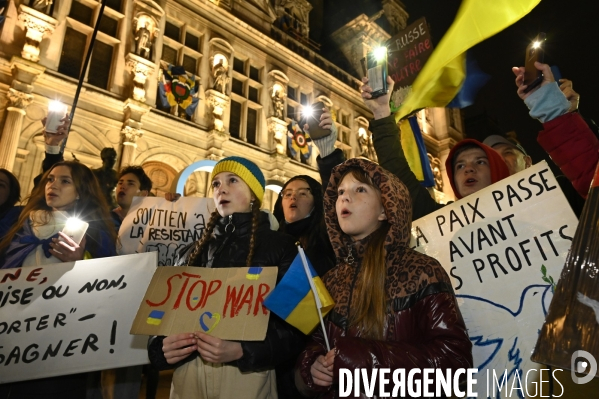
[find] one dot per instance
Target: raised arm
(387, 144)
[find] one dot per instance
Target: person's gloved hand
(325, 145)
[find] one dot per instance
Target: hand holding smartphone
(535, 52)
(75, 229)
(376, 70)
(313, 121)
(56, 112)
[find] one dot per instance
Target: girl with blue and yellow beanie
(238, 234)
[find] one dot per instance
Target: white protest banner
(72, 317)
(503, 247)
(155, 224)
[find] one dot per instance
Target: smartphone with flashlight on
(74, 228)
(56, 111)
(376, 70)
(311, 116)
(534, 52)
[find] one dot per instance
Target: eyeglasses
(300, 193)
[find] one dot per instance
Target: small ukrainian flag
(155, 317)
(253, 273)
(293, 300)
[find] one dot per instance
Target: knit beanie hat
(247, 171)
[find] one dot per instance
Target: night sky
(572, 29)
(572, 36)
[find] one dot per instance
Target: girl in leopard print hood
(394, 307)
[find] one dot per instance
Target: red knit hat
(498, 167)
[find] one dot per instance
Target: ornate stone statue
(278, 104)
(40, 5)
(143, 42)
(220, 73)
(366, 145)
(436, 168)
(145, 33)
(106, 175)
(298, 10)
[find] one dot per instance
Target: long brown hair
(369, 314)
(194, 257)
(91, 207)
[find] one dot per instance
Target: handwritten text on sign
(71, 317)
(157, 225)
(503, 247)
(224, 302)
(408, 52)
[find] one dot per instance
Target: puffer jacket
(230, 248)
(424, 327)
(573, 146)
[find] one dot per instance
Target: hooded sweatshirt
(423, 327)
(497, 165)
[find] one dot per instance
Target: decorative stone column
(277, 129)
(141, 69)
(131, 130)
(218, 104)
(130, 136)
(19, 95)
(36, 25)
(12, 128)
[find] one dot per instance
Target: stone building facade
(250, 67)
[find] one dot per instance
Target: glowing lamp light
(536, 44)
(218, 57)
(379, 53)
(56, 106)
(277, 88)
(75, 228)
(307, 111)
(74, 224)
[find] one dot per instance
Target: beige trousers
(203, 380)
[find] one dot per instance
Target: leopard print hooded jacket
(424, 327)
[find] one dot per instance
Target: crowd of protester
(354, 224)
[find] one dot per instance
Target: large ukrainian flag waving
(443, 74)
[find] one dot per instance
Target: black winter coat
(229, 248)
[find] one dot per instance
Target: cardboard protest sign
(155, 224)
(408, 51)
(72, 317)
(223, 302)
(504, 248)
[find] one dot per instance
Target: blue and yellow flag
(293, 300)
(415, 151)
(442, 76)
